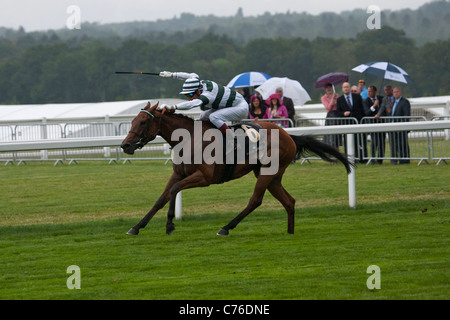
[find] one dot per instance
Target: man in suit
(399, 140)
(372, 105)
(387, 103)
(288, 103)
(351, 105)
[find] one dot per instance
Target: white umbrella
(248, 79)
(291, 89)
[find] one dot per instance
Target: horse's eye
(143, 123)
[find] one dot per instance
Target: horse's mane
(180, 116)
(184, 117)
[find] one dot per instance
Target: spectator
(354, 89)
(258, 109)
(372, 106)
(350, 105)
(399, 140)
(387, 103)
(372, 103)
(329, 100)
(362, 89)
(245, 92)
(258, 94)
(287, 102)
(277, 110)
(386, 108)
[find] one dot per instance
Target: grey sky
(52, 14)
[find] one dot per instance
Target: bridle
(144, 137)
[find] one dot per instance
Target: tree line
(429, 22)
(58, 71)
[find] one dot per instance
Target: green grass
(54, 217)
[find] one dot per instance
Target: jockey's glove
(167, 107)
(166, 74)
(178, 75)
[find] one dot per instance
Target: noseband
(144, 137)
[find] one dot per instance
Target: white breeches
(220, 116)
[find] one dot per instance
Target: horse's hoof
(170, 229)
(133, 232)
(222, 232)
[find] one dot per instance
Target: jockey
(219, 104)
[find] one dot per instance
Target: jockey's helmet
(191, 85)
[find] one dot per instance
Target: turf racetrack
(55, 217)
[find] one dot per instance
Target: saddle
(249, 134)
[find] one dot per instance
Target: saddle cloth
(247, 139)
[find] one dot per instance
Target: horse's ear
(147, 106)
(154, 107)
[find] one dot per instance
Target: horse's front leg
(160, 203)
(197, 179)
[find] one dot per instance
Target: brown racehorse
(151, 122)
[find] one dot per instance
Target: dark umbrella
(333, 78)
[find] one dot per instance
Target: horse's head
(144, 128)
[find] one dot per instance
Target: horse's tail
(308, 144)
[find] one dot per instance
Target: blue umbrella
(248, 79)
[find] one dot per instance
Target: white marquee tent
(24, 122)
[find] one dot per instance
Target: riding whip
(137, 72)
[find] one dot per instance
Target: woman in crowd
(258, 109)
(277, 110)
(329, 101)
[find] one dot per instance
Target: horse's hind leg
(288, 202)
(255, 202)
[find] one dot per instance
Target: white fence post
(178, 203)
(447, 113)
(351, 176)
(107, 150)
(44, 135)
(178, 206)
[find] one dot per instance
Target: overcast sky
(52, 14)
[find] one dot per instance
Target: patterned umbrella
(384, 70)
(248, 79)
(333, 78)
